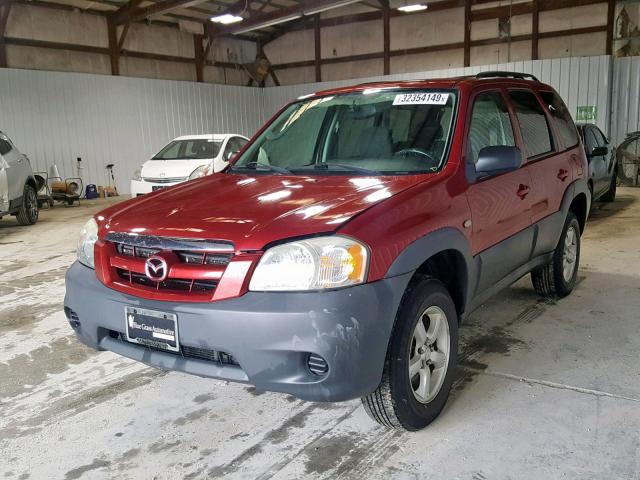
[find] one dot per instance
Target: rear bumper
(269, 334)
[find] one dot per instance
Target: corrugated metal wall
(583, 81)
(55, 117)
(626, 98)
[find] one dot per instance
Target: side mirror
(599, 151)
(497, 160)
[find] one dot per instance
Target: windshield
(189, 149)
(371, 132)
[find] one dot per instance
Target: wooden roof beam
(127, 14)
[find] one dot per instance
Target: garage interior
(91, 89)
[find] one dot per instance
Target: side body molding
(425, 247)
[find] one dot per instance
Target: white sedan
(186, 158)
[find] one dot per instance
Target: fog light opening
(72, 318)
(317, 365)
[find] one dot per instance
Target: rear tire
(558, 278)
(28, 213)
(610, 196)
(421, 360)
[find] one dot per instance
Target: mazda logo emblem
(156, 268)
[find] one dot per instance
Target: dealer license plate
(152, 328)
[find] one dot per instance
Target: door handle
(563, 174)
(523, 191)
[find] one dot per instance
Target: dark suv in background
(337, 255)
(601, 156)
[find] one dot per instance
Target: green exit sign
(587, 113)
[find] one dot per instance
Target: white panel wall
(55, 117)
(581, 81)
(626, 98)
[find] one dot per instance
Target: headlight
(313, 264)
(88, 237)
(199, 172)
(137, 175)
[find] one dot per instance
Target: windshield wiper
(341, 166)
(264, 166)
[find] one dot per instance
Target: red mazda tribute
(337, 255)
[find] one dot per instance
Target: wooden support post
(386, 47)
(274, 77)
(199, 57)
(4, 17)
(123, 37)
(318, 47)
(535, 29)
(467, 33)
(114, 52)
(611, 13)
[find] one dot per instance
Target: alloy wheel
(429, 355)
(570, 253)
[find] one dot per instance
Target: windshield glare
(386, 132)
(189, 149)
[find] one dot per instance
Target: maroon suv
(337, 255)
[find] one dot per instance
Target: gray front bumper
(270, 334)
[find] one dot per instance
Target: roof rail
(491, 74)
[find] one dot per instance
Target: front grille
(165, 180)
(204, 258)
(217, 356)
(132, 251)
(194, 266)
(177, 284)
(210, 355)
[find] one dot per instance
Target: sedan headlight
(137, 175)
(199, 172)
(313, 264)
(88, 238)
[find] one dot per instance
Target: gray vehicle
(601, 156)
(18, 194)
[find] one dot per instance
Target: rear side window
(562, 118)
(490, 125)
(536, 135)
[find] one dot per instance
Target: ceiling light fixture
(268, 23)
(328, 6)
(414, 7)
(226, 19)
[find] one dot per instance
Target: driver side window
(234, 145)
(490, 125)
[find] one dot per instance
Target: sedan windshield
(375, 131)
(189, 149)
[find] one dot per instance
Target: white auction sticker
(431, 98)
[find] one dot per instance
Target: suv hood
(252, 211)
(172, 168)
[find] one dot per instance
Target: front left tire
(28, 213)
(610, 196)
(421, 360)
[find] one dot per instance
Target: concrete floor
(545, 390)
